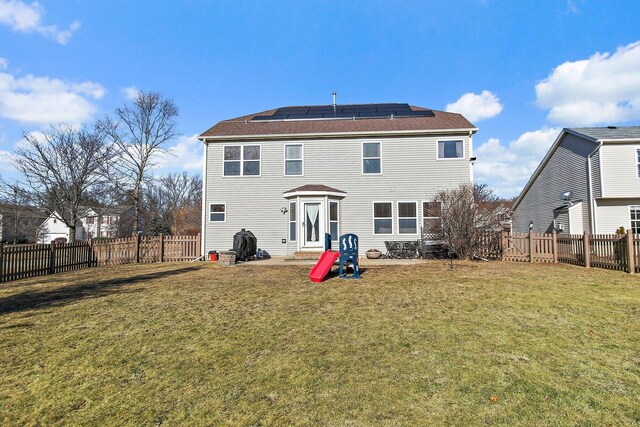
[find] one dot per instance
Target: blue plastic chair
(349, 254)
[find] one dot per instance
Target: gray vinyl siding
(619, 170)
(596, 176)
(410, 172)
(566, 170)
(612, 214)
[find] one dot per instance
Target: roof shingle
(245, 127)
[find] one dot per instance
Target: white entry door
(313, 225)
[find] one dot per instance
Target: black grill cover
(245, 245)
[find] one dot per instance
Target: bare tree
(139, 130)
(466, 213)
(183, 195)
(62, 168)
(18, 219)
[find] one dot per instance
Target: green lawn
(174, 344)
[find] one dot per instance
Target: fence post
(503, 244)
(198, 245)
(1, 261)
(52, 257)
(586, 249)
(161, 247)
(531, 246)
(554, 246)
(631, 256)
(137, 248)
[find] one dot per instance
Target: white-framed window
(634, 212)
(382, 218)
(218, 212)
(293, 217)
(450, 149)
(432, 218)
(638, 161)
(241, 160)
(371, 158)
(407, 218)
(333, 220)
(293, 160)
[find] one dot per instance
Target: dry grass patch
(486, 343)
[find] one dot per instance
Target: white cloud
(572, 7)
(130, 92)
(185, 154)
(507, 168)
(477, 107)
(603, 89)
(42, 100)
(4, 64)
(27, 18)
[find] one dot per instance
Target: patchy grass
(484, 344)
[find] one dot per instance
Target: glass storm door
(312, 225)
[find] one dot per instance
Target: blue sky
(519, 70)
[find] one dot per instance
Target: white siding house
(600, 169)
(292, 174)
(91, 225)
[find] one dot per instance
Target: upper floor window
(407, 218)
(382, 218)
(635, 219)
(450, 149)
(241, 160)
(89, 220)
(371, 158)
(293, 159)
(217, 212)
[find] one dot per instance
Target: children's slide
(323, 266)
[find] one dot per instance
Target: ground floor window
(432, 218)
(293, 216)
(407, 218)
(382, 218)
(635, 219)
(333, 220)
(217, 212)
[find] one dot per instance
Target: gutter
(204, 201)
(592, 211)
(462, 131)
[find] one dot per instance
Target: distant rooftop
(609, 132)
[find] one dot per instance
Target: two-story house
(588, 181)
(292, 174)
(95, 222)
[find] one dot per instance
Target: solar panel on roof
(344, 111)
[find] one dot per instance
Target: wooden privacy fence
(23, 261)
(610, 251)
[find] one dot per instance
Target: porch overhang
(312, 190)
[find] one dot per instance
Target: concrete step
(304, 256)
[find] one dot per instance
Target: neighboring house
(500, 212)
(94, 223)
(19, 224)
(292, 174)
(589, 181)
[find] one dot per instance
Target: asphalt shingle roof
(611, 132)
(245, 127)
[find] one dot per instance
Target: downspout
(204, 200)
(592, 210)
